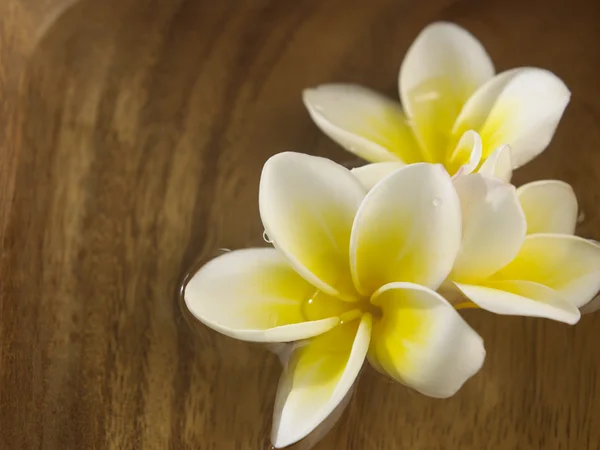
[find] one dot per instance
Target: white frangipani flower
(447, 87)
(352, 277)
(518, 254)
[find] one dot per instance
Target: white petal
(521, 108)
(314, 437)
(407, 229)
(371, 174)
(466, 155)
(422, 341)
(255, 295)
(478, 107)
(550, 206)
(317, 379)
(440, 71)
(498, 164)
(362, 121)
(493, 227)
(307, 205)
(568, 264)
(521, 298)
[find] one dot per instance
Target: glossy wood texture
(131, 140)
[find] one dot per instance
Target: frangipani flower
(352, 276)
(518, 255)
(447, 87)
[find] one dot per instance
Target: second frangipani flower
(447, 87)
(518, 253)
(352, 276)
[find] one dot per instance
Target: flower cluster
(374, 263)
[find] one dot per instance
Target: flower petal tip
(307, 205)
(308, 96)
(317, 380)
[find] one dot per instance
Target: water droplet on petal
(581, 217)
(319, 107)
(437, 202)
(266, 238)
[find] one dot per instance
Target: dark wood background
(132, 134)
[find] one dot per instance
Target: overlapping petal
(521, 298)
(371, 174)
(255, 295)
(317, 378)
(466, 156)
(498, 164)
(363, 121)
(407, 229)
(520, 107)
(550, 206)
(421, 340)
(568, 264)
(493, 227)
(442, 68)
(307, 205)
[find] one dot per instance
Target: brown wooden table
(132, 134)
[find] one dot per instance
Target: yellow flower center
(321, 306)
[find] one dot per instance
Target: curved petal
(477, 109)
(307, 205)
(407, 228)
(493, 227)
(568, 264)
(550, 206)
(371, 174)
(498, 164)
(255, 295)
(362, 121)
(521, 298)
(466, 156)
(317, 378)
(520, 107)
(422, 342)
(440, 71)
(314, 437)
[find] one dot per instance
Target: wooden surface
(132, 134)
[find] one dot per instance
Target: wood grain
(132, 137)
